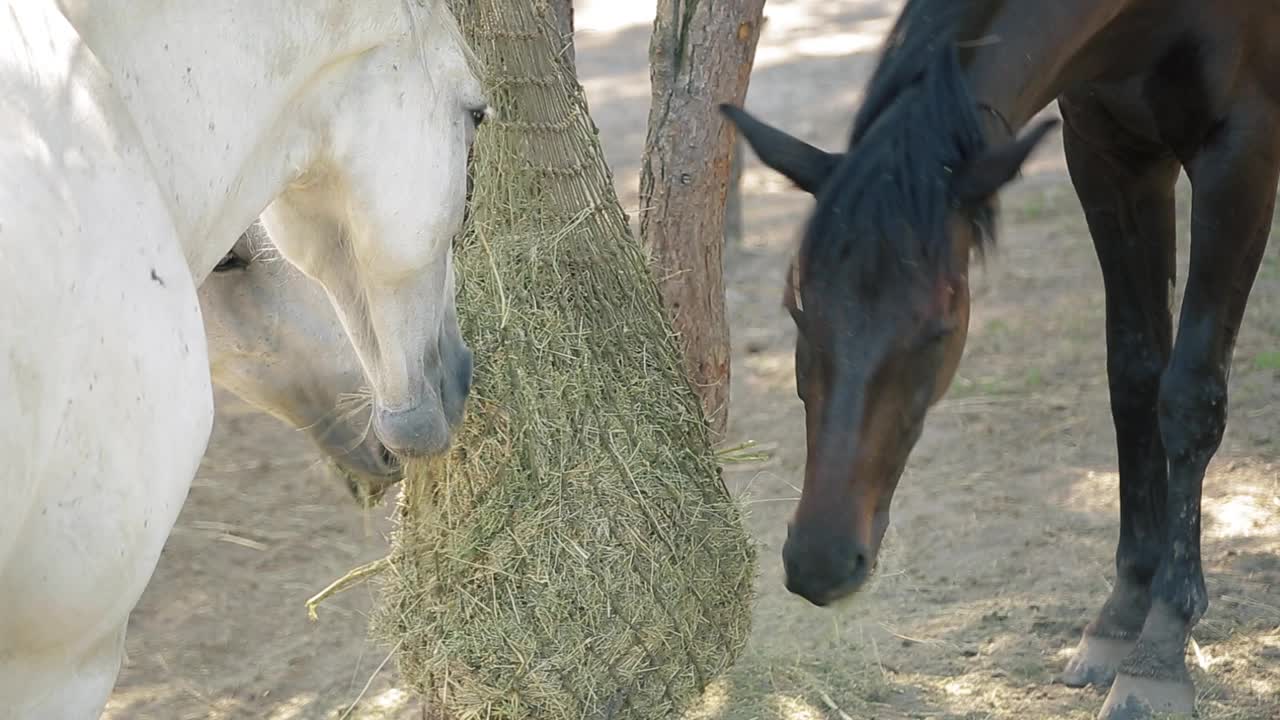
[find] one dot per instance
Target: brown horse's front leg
(1234, 183)
(1125, 185)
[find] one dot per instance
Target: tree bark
(700, 55)
(733, 228)
(562, 13)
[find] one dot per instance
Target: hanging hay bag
(578, 554)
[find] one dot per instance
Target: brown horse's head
(880, 300)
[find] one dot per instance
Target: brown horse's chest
(1156, 111)
(1175, 84)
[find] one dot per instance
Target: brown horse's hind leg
(1234, 182)
(1126, 188)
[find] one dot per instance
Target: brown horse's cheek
(880, 444)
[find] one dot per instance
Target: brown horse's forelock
(884, 212)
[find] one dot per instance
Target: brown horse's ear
(997, 166)
(803, 164)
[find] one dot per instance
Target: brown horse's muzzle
(826, 565)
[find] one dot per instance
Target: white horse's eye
(478, 116)
(230, 261)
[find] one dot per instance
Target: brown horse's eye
(934, 335)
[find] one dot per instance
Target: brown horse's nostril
(859, 569)
(826, 571)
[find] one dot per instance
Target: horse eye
(936, 334)
(478, 116)
(229, 262)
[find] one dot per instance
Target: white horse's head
(275, 342)
(373, 214)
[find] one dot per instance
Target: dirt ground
(1004, 524)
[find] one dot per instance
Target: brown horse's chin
(837, 597)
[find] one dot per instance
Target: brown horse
(879, 288)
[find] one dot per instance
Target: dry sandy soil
(1004, 525)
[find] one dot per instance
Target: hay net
(578, 555)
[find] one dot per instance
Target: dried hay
(578, 556)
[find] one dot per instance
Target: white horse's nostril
(420, 432)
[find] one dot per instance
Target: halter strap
(999, 118)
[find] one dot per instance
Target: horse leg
(67, 685)
(1126, 188)
(1234, 182)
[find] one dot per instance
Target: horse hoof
(1095, 661)
(1141, 698)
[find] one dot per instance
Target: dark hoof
(1096, 661)
(1141, 698)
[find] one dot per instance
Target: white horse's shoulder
(76, 198)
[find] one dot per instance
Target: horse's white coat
(139, 139)
(275, 342)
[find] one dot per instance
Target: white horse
(275, 342)
(139, 140)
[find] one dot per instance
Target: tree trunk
(733, 229)
(562, 13)
(700, 55)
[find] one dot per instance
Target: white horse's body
(139, 140)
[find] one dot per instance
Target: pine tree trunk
(700, 55)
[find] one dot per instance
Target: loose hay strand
(578, 555)
(346, 582)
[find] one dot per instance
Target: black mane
(884, 210)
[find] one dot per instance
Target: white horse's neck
(220, 163)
